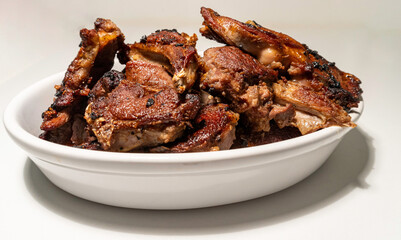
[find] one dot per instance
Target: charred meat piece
(95, 57)
(279, 51)
(174, 51)
(241, 81)
(214, 129)
(314, 109)
(125, 115)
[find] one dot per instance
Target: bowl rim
(14, 129)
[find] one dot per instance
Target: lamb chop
(151, 104)
(312, 80)
(174, 51)
(125, 115)
(95, 57)
(242, 82)
(280, 51)
(213, 130)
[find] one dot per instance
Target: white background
(356, 194)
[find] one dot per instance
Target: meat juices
(262, 87)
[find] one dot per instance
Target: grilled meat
(279, 51)
(151, 105)
(174, 51)
(314, 109)
(125, 115)
(242, 82)
(150, 75)
(261, 88)
(95, 57)
(214, 129)
(312, 81)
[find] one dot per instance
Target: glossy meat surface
(320, 92)
(173, 51)
(125, 115)
(213, 130)
(279, 51)
(262, 87)
(241, 81)
(314, 110)
(95, 57)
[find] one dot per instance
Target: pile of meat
(261, 87)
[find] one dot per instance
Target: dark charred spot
(324, 67)
(312, 52)
(307, 51)
(331, 64)
(166, 30)
(113, 75)
(333, 83)
(226, 108)
(179, 45)
(257, 24)
(315, 64)
(144, 38)
(93, 116)
(211, 90)
(250, 25)
(58, 93)
(150, 102)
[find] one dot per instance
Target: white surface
(165, 181)
(355, 195)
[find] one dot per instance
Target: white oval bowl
(165, 180)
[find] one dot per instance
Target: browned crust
(296, 59)
(217, 130)
(174, 51)
(95, 57)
